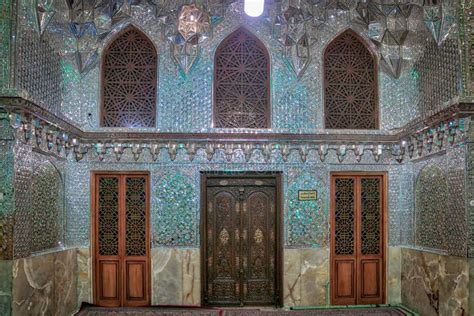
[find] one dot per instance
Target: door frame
(93, 211)
(277, 175)
(384, 176)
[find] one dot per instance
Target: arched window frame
(374, 56)
(103, 69)
(260, 44)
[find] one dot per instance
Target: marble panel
(471, 284)
(434, 284)
(84, 276)
(291, 277)
(45, 284)
(33, 282)
(65, 272)
(176, 278)
(393, 276)
(5, 287)
(306, 277)
(314, 276)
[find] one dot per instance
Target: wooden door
(121, 239)
(241, 242)
(358, 208)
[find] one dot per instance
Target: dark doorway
(241, 239)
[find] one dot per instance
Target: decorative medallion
(224, 236)
(258, 236)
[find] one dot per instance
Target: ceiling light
(254, 8)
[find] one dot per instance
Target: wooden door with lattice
(358, 210)
(120, 204)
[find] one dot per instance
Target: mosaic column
(6, 188)
(470, 189)
(6, 213)
(6, 28)
(466, 35)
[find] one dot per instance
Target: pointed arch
(129, 81)
(242, 82)
(350, 83)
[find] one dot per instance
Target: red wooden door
(121, 239)
(358, 206)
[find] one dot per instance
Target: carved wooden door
(121, 239)
(241, 242)
(357, 239)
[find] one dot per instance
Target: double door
(240, 241)
(120, 204)
(358, 204)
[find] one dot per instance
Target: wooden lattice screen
(242, 82)
(350, 84)
(129, 79)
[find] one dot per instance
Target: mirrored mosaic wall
(296, 103)
(6, 188)
(440, 212)
(467, 39)
(38, 63)
(175, 195)
(38, 201)
(5, 29)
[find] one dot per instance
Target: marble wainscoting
(471, 284)
(434, 284)
(306, 277)
(45, 284)
(176, 276)
(5, 287)
(84, 276)
(393, 287)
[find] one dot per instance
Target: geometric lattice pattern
(129, 81)
(370, 216)
(350, 84)
(344, 215)
(431, 205)
(47, 205)
(135, 213)
(242, 82)
(108, 220)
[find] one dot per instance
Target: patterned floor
(150, 311)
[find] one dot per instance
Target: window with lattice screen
(242, 82)
(350, 84)
(129, 80)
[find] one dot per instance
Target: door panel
(345, 287)
(241, 242)
(109, 281)
(136, 272)
(121, 239)
(136, 241)
(371, 241)
(370, 282)
(357, 239)
(258, 249)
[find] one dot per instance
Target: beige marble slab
(45, 284)
(394, 276)
(433, 284)
(176, 276)
(305, 277)
(84, 276)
